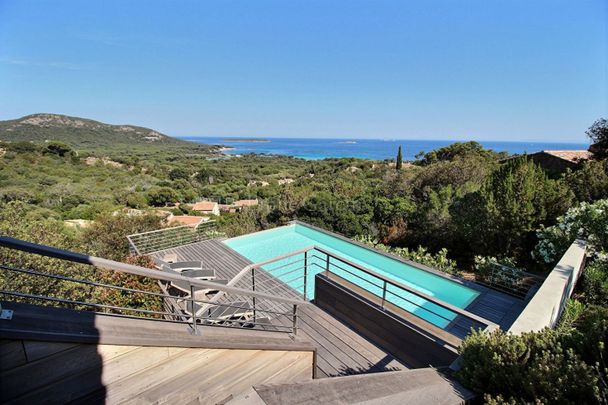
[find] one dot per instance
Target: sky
(534, 70)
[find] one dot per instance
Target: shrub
(588, 221)
(439, 261)
(595, 283)
(162, 196)
(107, 237)
(533, 367)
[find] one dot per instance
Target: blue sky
(436, 69)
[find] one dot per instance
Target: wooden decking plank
(363, 345)
(12, 354)
(352, 355)
(366, 348)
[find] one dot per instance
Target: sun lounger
(189, 269)
(238, 312)
(184, 286)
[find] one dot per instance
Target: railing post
(327, 266)
(305, 274)
(194, 326)
(253, 289)
(383, 294)
(295, 319)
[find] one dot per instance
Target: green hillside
(86, 134)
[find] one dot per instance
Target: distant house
(227, 208)
(207, 207)
(558, 161)
(188, 220)
(245, 203)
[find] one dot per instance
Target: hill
(84, 133)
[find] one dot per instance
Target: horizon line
(236, 137)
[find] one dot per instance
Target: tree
(598, 133)
(501, 218)
(179, 173)
(399, 159)
(60, 148)
(450, 152)
(589, 183)
(162, 196)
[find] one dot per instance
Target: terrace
(329, 309)
(346, 343)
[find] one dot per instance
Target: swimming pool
(275, 242)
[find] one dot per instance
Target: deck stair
(420, 386)
(87, 357)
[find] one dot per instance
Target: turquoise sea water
(265, 245)
(376, 149)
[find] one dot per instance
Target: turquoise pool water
(275, 242)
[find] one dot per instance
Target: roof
(569, 155)
(204, 206)
(246, 203)
(188, 220)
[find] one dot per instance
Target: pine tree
(399, 159)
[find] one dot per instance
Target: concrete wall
(545, 308)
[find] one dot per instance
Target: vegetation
(81, 133)
(565, 366)
(399, 163)
(598, 133)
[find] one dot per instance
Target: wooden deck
(96, 374)
(340, 350)
(500, 308)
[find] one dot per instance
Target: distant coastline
(371, 149)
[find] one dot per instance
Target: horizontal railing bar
(417, 305)
(206, 223)
(283, 266)
(427, 297)
(74, 280)
(90, 304)
(356, 275)
(104, 306)
(79, 281)
(128, 268)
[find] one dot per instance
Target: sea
(373, 149)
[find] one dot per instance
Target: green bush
(439, 261)
(162, 196)
(595, 283)
(531, 368)
(588, 221)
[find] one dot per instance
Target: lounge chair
(237, 312)
(184, 286)
(188, 269)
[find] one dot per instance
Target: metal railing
(267, 312)
(296, 272)
(509, 280)
(146, 243)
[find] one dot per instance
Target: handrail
(386, 281)
(247, 269)
(420, 294)
(191, 232)
(29, 247)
